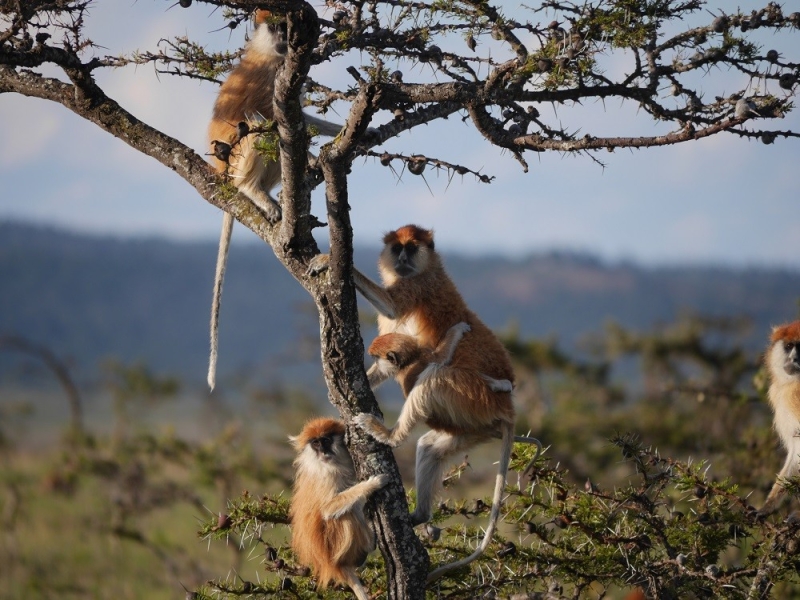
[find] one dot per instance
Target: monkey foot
(273, 213)
(433, 532)
(461, 327)
(318, 264)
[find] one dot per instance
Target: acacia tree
(491, 68)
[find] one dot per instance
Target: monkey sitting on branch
(244, 106)
(783, 363)
(329, 530)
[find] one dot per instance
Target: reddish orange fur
(427, 305)
(332, 547)
(246, 93)
(636, 594)
(317, 428)
(410, 233)
(789, 332)
(478, 409)
(262, 16)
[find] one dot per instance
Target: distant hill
(91, 298)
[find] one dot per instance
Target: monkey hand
(318, 264)
(372, 426)
(499, 385)
(461, 328)
(377, 482)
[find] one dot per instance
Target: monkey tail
(219, 278)
(530, 440)
(494, 515)
(351, 579)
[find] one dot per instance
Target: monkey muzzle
(403, 265)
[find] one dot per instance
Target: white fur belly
(408, 326)
(787, 426)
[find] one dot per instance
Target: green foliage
(649, 479)
(111, 516)
(267, 143)
(603, 512)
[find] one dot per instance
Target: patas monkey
(783, 364)
(419, 300)
(438, 394)
(329, 530)
(432, 384)
(245, 102)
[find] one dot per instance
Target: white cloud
(23, 139)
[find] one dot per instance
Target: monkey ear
(294, 440)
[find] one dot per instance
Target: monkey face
(791, 361)
(269, 34)
(783, 359)
(278, 32)
(394, 351)
(405, 260)
(325, 447)
(406, 252)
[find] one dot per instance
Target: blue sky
(720, 200)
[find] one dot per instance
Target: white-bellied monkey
(245, 102)
(783, 363)
(329, 530)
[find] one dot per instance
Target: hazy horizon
(245, 237)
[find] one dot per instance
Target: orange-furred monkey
(441, 395)
(245, 100)
(783, 363)
(329, 530)
(421, 302)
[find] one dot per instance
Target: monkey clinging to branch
(329, 530)
(446, 397)
(465, 403)
(244, 103)
(783, 363)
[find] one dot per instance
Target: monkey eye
(787, 346)
(391, 357)
(397, 248)
(322, 444)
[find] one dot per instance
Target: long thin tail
(494, 515)
(355, 584)
(219, 278)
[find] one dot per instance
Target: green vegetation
(659, 444)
